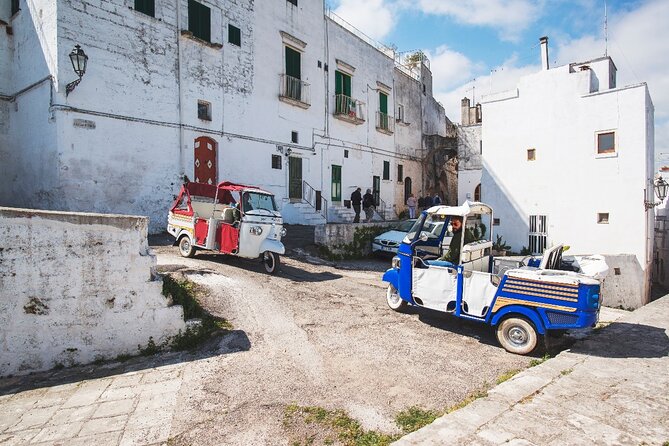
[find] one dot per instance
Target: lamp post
(79, 60)
(661, 187)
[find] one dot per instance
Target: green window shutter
(347, 85)
(383, 103)
(293, 63)
(336, 183)
(386, 170)
(147, 7)
(342, 83)
(199, 20)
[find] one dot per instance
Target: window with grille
(204, 110)
(147, 7)
(199, 20)
(538, 234)
(234, 35)
(400, 173)
(386, 170)
(276, 161)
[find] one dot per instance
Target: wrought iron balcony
(384, 123)
(349, 109)
(294, 91)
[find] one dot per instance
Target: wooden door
(407, 189)
(294, 177)
(205, 160)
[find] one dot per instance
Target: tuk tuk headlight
(283, 232)
(395, 262)
(255, 230)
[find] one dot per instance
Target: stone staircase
(341, 214)
(301, 214)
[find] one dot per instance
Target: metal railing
(384, 122)
(349, 107)
(381, 209)
(310, 196)
(293, 88)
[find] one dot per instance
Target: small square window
(234, 35)
(400, 173)
(147, 7)
(292, 2)
(345, 153)
(603, 218)
(495, 221)
(320, 64)
(293, 137)
(531, 154)
(386, 170)
(616, 271)
(204, 110)
(606, 142)
(276, 161)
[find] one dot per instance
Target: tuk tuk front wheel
(517, 335)
(271, 261)
(393, 299)
(186, 248)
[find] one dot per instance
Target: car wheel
(186, 248)
(271, 261)
(393, 299)
(517, 335)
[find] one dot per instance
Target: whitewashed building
(278, 94)
(568, 158)
(470, 152)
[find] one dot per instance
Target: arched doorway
(407, 189)
(477, 193)
(204, 160)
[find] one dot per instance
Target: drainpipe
(180, 97)
(544, 53)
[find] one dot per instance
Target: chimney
(464, 111)
(544, 52)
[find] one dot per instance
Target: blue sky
(489, 44)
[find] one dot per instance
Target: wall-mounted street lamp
(661, 187)
(79, 60)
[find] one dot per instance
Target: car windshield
(257, 201)
(405, 226)
(432, 226)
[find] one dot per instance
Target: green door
(383, 103)
(343, 101)
(293, 74)
(294, 177)
(336, 183)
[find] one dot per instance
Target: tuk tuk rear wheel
(393, 299)
(271, 261)
(186, 248)
(517, 335)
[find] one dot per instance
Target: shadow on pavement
(230, 342)
(625, 340)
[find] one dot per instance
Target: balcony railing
(384, 122)
(349, 109)
(294, 91)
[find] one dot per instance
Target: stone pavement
(129, 408)
(612, 388)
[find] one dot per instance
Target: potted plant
(499, 247)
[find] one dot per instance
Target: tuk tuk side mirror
(423, 237)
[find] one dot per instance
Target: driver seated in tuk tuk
(246, 199)
(453, 253)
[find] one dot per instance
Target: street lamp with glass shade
(79, 61)
(661, 188)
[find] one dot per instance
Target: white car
(390, 240)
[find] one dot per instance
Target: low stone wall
(75, 288)
(349, 239)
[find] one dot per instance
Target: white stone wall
(554, 113)
(75, 288)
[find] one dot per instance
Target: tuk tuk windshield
(258, 201)
(430, 225)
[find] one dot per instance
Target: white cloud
(373, 17)
(451, 68)
(510, 17)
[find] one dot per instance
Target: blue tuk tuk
(445, 263)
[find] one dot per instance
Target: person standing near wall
(368, 205)
(421, 202)
(428, 201)
(436, 201)
(411, 203)
(356, 199)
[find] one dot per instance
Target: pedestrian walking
(356, 199)
(411, 203)
(368, 205)
(436, 201)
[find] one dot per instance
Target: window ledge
(145, 14)
(606, 155)
(189, 34)
(400, 122)
(294, 102)
(384, 131)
